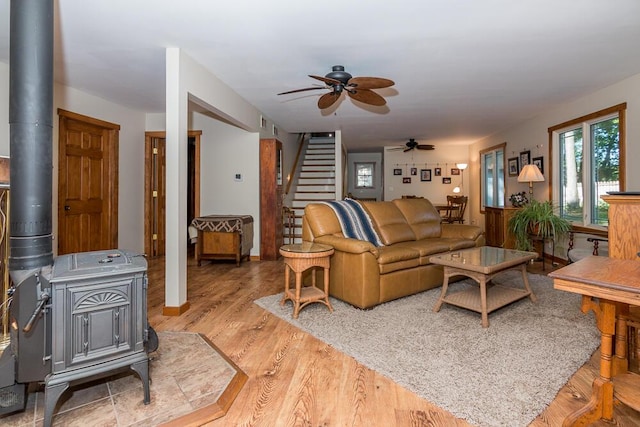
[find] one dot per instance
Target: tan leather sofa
(365, 275)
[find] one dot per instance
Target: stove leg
(51, 395)
(142, 369)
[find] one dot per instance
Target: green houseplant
(536, 219)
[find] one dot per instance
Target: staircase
(317, 181)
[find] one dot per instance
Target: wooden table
(299, 258)
(608, 286)
(482, 264)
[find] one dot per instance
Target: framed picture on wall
(512, 166)
(414, 171)
(425, 174)
(539, 162)
(437, 171)
(455, 171)
(446, 180)
(397, 171)
(406, 180)
(525, 159)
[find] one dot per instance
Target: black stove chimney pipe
(31, 128)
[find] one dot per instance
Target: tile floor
(181, 382)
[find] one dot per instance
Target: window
(364, 175)
(492, 182)
(589, 154)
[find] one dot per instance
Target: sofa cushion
(394, 258)
(391, 225)
(421, 216)
(322, 220)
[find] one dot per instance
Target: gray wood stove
(98, 317)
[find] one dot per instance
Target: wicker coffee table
(482, 264)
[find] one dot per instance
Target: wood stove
(98, 316)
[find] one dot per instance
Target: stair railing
(295, 163)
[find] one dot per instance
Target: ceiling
(463, 69)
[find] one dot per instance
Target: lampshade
(456, 190)
(530, 173)
(461, 166)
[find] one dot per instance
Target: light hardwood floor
(297, 380)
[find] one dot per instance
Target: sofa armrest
(464, 231)
(343, 244)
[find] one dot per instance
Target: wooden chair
(457, 204)
(598, 239)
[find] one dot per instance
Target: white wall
(131, 154)
(226, 151)
(444, 157)
(532, 135)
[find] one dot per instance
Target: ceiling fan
(358, 88)
(413, 144)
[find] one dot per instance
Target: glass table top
(483, 257)
(306, 247)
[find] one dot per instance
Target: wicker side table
(299, 258)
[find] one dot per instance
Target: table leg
(600, 406)
(483, 301)
(445, 285)
(287, 279)
(525, 279)
(296, 301)
(326, 289)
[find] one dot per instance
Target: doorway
(87, 183)
(154, 188)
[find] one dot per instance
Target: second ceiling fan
(358, 88)
(413, 144)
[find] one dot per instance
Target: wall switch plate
(238, 177)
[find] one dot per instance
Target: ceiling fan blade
(425, 147)
(370, 82)
(327, 100)
(366, 96)
(302, 90)
(327, 80)
(408, 149)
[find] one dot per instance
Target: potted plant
(536, 219)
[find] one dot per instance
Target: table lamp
(530, 174)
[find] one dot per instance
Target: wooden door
(155, 188)
(87, 184)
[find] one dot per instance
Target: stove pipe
(31, 128)
(30, 238)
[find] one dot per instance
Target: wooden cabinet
(496, 227)
(624, 226)
(270, 199)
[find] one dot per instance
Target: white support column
(176, 186)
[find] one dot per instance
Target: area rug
(504, 375)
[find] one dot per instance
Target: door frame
(148, 190)
(111, 151)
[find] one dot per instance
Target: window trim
(373, 175)
(503, 147)
(553, 134)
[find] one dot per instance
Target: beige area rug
(504, 375)
(191, 382)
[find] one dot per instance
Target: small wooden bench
(223, 237)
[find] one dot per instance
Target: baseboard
(175, 311)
